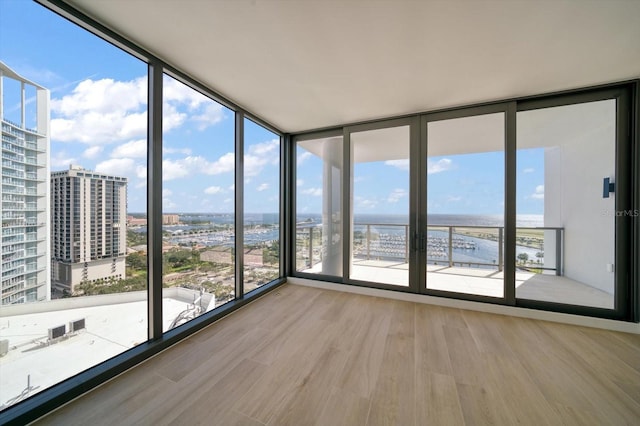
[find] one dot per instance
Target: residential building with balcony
(24, 111)
(88, 231)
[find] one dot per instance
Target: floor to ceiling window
(380, 231)
(525, 203)
(77, 113)
(318, 215)
(261, 206)
(465, 173)
(198, 220)
(74, 146)
(564, 155)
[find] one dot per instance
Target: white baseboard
(626, 327)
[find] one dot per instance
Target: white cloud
(185, 151)
(262, 187)
(299, 182)
(453, 199)
(167, 192)
(61, 160)
(188, 166)
(400, 164)
(528, 170)
(364, 203)
(539, 193)
(175, 169)
(213, 190)
(175, 91)
(441, 165)
(141, 172)
(224, 164)
(101, 111)
(92, 152)
(199, 108)
(303, 157)
(227, 200)
(212, 113)
(103, 96)
(396, 195)
(171, 117)
(259, 155)
(316, 192)
(133, 149)
(116, 166)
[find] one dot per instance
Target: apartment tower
(88, 228)
(24, 113)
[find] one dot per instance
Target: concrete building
(88, 231)
(170, 219)
(24, 111)
(135, 221)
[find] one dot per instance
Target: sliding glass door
(526, 203)
(380, 218)
(464, 171)
(571, 192)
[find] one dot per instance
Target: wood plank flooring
(306, 356)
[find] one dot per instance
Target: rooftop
(114, 324)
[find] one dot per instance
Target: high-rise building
(170, 219)
(88, 228)
(24, 112)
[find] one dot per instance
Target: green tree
(523, 258)
(271, 254)
(137, 261)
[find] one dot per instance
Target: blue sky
(457, 184)
(98, 121)
(98, 118)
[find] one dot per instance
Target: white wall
(574, 172)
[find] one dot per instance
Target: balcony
(13, 272)
(33, 161)
(12, 239)
(460, 259)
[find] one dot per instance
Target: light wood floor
(305, 356)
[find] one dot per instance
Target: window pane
(380, 200)
(566, 229)
(318, 206)
(465, 205)
(261, 206)
(198, 206)
(74, 273)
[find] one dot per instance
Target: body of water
(387, 242)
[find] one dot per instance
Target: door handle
(607, 187)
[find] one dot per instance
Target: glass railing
(14, 146)
(13, 272)
(447, 245)
(15, 173)
(13, 239)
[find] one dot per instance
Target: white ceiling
(302, 65)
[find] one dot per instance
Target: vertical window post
(239, 193)
(154, 201)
